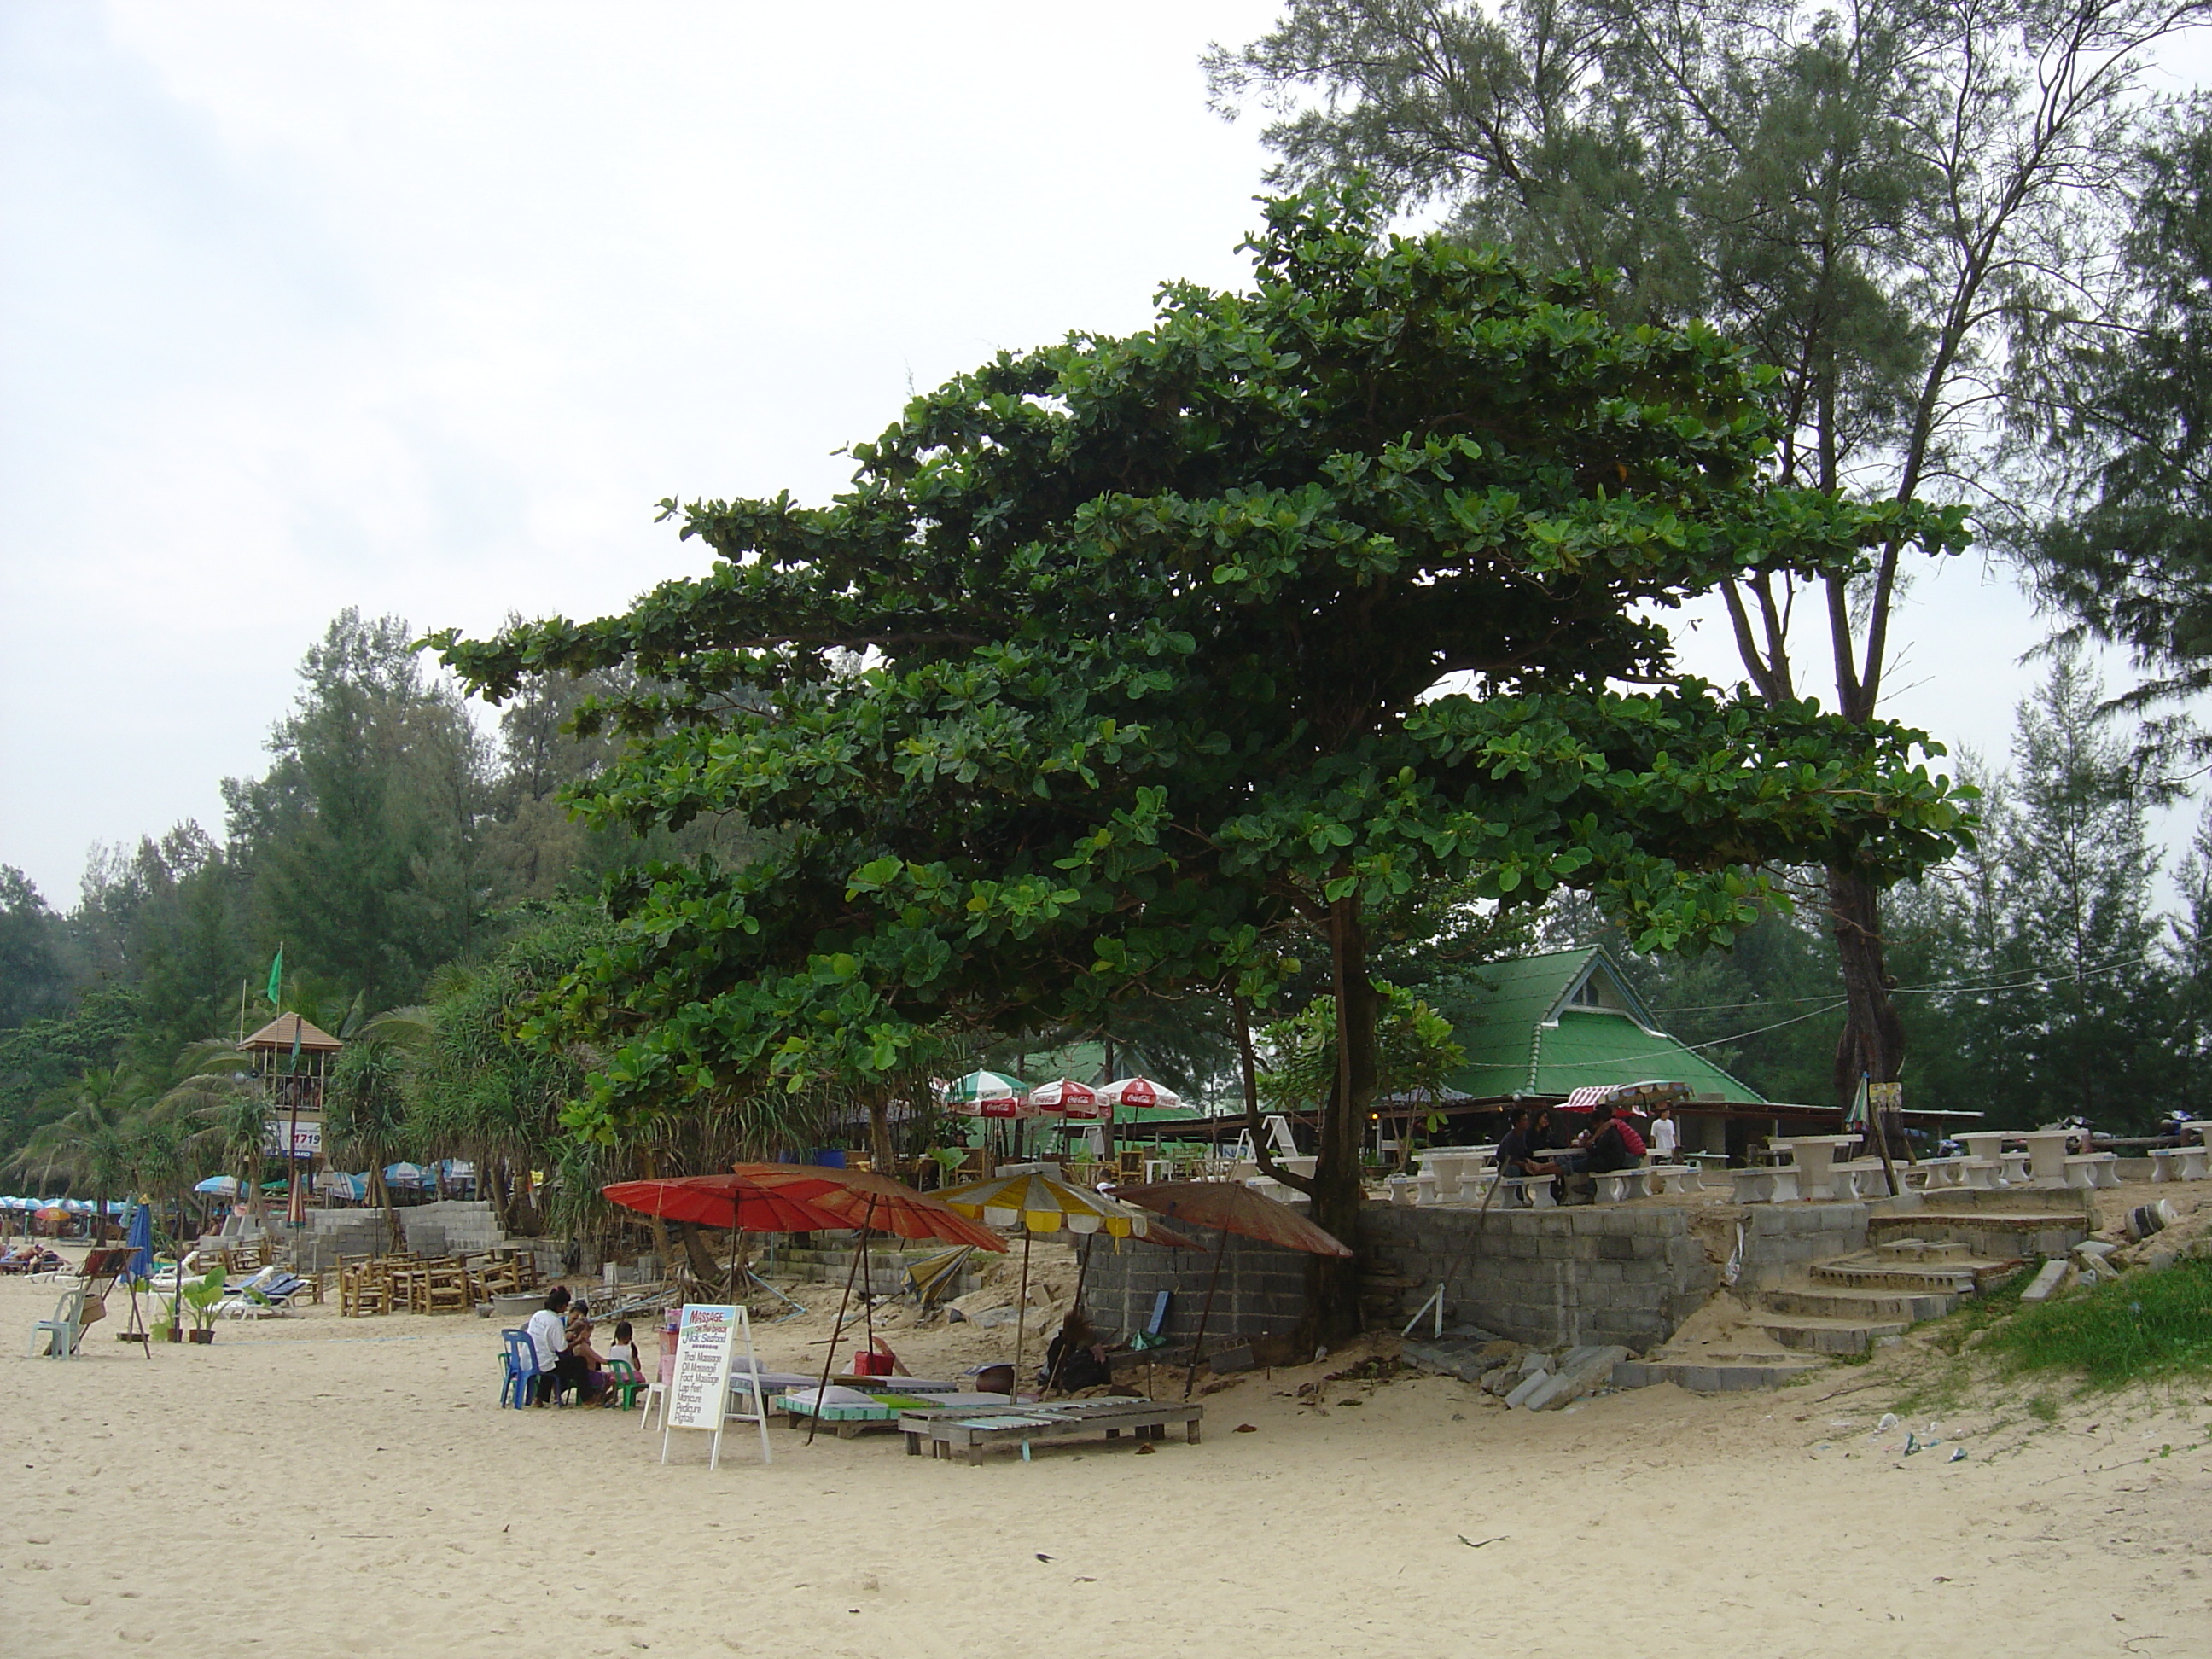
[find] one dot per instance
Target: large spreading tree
(1128, 666)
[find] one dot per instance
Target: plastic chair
(63, 1330)
(624, 1381)
(518, 1380)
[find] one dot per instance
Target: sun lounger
(973, 1431)
(270, 1292)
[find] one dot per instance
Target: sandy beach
(318, 1485)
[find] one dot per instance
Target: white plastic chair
(63, 1330)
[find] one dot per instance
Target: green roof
(1549, 1024)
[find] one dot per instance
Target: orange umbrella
(736, 1201)
(861, 1198)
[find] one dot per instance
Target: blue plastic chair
(520, 1381)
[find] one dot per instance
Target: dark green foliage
(362, 838)
(36, 1059)
(33, 976)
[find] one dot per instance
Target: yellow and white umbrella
(1037, 1203)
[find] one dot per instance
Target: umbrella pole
(1205, 1313)
(1021, 1310)
(1082, 1272)
(837, 1326)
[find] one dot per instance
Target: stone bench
(1674, 1180)
(1862, 1178)
(2179, 1163)
(1775, 1183)
(1618, 1186)
(2087, 1169)
(1529, 1192)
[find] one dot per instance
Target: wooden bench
(974, 1431)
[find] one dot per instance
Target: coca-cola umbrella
(988, 1094)
(1066, 1098)
(1141, 1092)
(1232, 1207)
(870, 1203)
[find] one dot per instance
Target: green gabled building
(1543, 1026)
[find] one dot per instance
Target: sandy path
(326, 1486)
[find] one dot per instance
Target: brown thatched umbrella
(1232, 1207)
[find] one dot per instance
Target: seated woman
(1522, 1152)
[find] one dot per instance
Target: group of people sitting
(560, 1332)
(1610, 1142)
(30, 1257)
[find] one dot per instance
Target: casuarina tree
(1120, 670)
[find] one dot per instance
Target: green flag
(276, 976)
(1857, 1117)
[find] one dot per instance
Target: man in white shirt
(548, 1334)
(1666, 1134)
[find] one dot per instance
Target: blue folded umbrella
(140, 1237)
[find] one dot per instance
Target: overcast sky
(420, 308)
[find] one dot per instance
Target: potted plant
(201, 1297)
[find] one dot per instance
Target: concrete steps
(1714, 1373)
(1812, 1334)
(1872, 1307)
(1990, 1235)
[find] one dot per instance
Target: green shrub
(2143, 1325)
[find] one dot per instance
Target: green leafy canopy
(1125, 660)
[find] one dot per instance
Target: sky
(420, 308)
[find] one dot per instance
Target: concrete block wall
(1262, 1291)
(451, 1226)
(1628, 1274)
(1781, 1241)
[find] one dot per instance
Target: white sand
(329, 1487)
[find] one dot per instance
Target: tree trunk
(380, 1193)
(1873, 1041)
(879, 1130)
(704, 1267)
(1338, 1197)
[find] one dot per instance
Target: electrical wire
(2112, 967)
